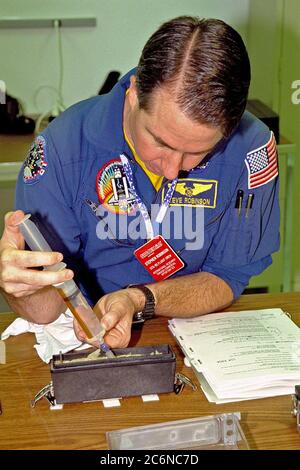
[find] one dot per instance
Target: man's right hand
(18, 276)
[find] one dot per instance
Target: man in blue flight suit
(172, 135)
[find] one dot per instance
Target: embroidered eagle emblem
(194, 190)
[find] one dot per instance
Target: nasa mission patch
(113, 189)
(35, 164)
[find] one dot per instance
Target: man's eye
(159, 144)
(196, 155)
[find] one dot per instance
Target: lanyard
(151, 231)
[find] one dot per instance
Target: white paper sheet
(242, 354)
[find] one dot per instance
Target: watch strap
(148, 311)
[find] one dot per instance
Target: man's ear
(132, 93)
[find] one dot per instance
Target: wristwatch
(149, 309)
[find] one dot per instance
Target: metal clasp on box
(296, 405)
(46, 392)
(180, 382)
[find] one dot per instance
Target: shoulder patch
(262, 164)
(35, 164)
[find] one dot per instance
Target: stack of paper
(241, 355)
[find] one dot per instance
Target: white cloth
(56, 337)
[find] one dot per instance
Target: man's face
(163, 137)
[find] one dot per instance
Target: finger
(114, 313)
(79, 331)
(119, 334)
(117, 339)
(12, 219)
(31, 292)
(35, 278)
(20, 290)
(30, 259)
(11, 234)
(81, 336)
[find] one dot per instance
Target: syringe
(68, 290)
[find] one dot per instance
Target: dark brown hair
(205, 64)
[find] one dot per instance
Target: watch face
(149, 308)
(138, 318)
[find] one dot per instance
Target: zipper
(215, 219)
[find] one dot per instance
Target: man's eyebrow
(161, 141)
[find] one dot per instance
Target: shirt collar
(103, 126)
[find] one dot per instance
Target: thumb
(112, 315)
(12, 219)
(12, 234)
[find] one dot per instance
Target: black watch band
(148, 311)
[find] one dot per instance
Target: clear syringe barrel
(68, 290)
(82, 311)
(32, 235)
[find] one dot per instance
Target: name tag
(159, 259)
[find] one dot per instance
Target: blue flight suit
(70, 164)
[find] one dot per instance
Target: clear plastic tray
(221, 432)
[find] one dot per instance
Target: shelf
(16, 22)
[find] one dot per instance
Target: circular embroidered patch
(113, 189)
(35, 163)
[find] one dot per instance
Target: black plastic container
(143, 371)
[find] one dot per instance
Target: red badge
(159, 258)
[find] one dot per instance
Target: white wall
(29, 59)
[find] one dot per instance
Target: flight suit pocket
(109, 227)
(233, 247)
(237, 249)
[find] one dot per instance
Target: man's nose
(173, 165)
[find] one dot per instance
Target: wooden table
(267, 423)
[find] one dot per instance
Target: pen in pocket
(239, 201)
(249, 203)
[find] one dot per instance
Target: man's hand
(18, 278)
(116, 311)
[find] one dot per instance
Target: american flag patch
(262, 164)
